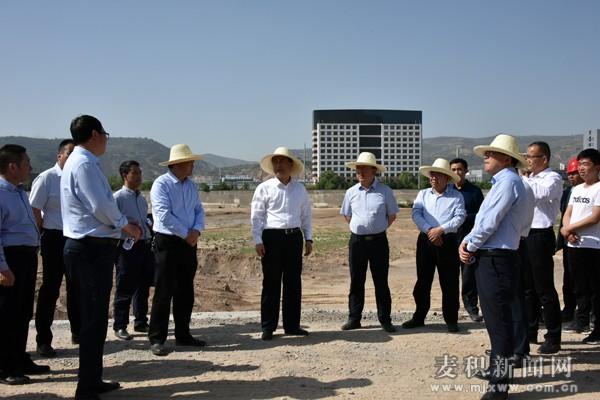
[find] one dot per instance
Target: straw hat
(180, 153)
(267, 165)
(504, 144)
(442, 166)
(366, 158)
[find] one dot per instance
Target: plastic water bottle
(128, 243)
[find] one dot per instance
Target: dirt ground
(423, 363)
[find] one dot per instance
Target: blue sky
(239, 78)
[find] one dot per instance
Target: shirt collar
(85, 152)
(280, 184)
(543, 173)
(173, 178)
(373, 185)
(57, 169)
(449, 186)
(503, 173)
(125, 188)
(9, 186)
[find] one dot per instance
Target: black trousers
(89, 263)
(468, 288)
(519, 314)
(445, 258)
(497, 276)
(176, 265)
(16, 308)
(585, 265)
(134, 276)
(373, 251)
(282, 262)
(52, 249)
(539, 284)
(568, 286)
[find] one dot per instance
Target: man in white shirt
(539, 280)
(281, 221)
(45, 203)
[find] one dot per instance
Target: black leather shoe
(549, 347)
(142, 328)
(532, 339)
(413, 323)
(494, 395)
(267, 335)
(158, 349)
(484, 374)
(123, 334)
(566, 315)
(35, 369)
(107, 386)
(190, 341)
(388, 327)
(452, 327)
(517, 360)
(74, 339)
(15, 380)
(45, 350)
(351, 324)
(475, 317)
(296, 332)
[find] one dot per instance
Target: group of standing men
(505, 246)
(84, 229)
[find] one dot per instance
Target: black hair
(82, 127)
(591, 154)
(460, 161)
(64, 143)
(544, 148)
(10, 153)
(125, 167)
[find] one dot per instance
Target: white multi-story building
(591, 138)
(394, 136)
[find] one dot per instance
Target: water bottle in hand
(128, 243)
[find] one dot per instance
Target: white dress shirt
(279, 206)
(547, 191)
(45, 196)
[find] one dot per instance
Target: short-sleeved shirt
(583, 200)
(369, 208)
(45, 196)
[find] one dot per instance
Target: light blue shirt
(369, 208)
(500, 220)
(431, 210)
(135, 208)
(176, 206)
(87, 203)
(45, 196)
(17, 224)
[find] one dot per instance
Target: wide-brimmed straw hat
(366, 158)
(442, 166)
(267, 165)
(180, 153)
(504, 144)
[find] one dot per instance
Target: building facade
(591, 138)
(394, 136)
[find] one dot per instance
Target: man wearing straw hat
(370, 208)
(178, 220)
(281, 221)
(438, 212)
(494, 241)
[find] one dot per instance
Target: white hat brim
(427, 170)
(354, 164)
(193, 157)
(267, 166)
(480, 151)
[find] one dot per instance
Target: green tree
(146, 185)
(222, 186)
(115, 182)
(204, 187)
(329, 180)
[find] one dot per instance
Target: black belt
(22, 249)
(496, 253)
(289, 231)
(98, 240)
(534, 230)
(368, 238)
